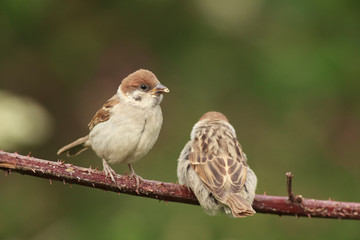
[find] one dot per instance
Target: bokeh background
(286, 74)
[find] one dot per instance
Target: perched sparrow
(214, 166)
(128, 124)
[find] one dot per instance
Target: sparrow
(127, 126)
(213, 165)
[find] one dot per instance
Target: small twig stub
(289, 178)
(297, 199)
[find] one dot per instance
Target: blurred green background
(285, 73)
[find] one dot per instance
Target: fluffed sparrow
(213, 165)
(128, 124)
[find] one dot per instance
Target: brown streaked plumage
(103, 114)
(218, 161)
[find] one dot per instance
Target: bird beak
(159, 89)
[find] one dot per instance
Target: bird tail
(76, 147)
(239, 206)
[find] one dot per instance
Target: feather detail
(239, 206)
(103, 114)
(76, 147)
(218, 160)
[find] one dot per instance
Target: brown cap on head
(136, 79)
(214, 116)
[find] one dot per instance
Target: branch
(68, 173)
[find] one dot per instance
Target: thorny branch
(68, 173)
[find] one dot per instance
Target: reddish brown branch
(69, 173)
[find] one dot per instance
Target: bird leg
(137, 178)
(109, 171)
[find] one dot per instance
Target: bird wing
(103, 114)
(218, 160)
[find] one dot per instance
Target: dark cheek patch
(138, 98)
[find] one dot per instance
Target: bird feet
(109, 171)
(137, 178)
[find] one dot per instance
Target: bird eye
(143, 86)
